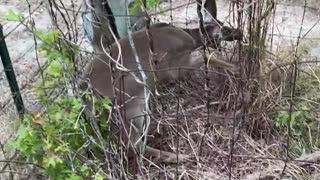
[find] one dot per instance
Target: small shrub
(302, 123)
(54, 139)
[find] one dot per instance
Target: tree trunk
(101, 16)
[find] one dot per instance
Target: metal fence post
(11, 77)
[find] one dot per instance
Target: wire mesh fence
(259, 122)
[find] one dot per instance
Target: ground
(20, 42)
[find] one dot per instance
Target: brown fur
(173, 48)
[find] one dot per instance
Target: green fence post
(11, 77)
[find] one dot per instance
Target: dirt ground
(286, 27)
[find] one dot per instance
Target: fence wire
(260, 123)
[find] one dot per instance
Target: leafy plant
(302, 127)
(55, 138)
(151, 4)
(298, 119)
(302, 123)
(13, 16)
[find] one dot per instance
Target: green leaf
(76, 104)
(53, 161)
(12, 16)
(293, 120)
(135, 7)
(151, 4)
(57, 116)
(283, 118)
(62, 149)
(48, 37)
(85, 170)
(74, 177)
(106, 103)
(99, 177)
(55, 69)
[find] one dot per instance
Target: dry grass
(257, 149)
(229, 126)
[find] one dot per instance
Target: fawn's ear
(210, 7)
